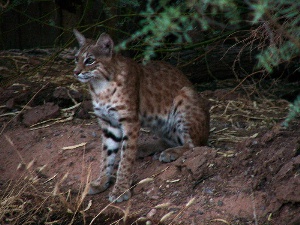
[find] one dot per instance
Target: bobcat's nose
(77, 72)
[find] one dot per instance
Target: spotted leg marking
(111, 139)
(121, 190)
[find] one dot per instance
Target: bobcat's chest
(105, 101)
(106, 112)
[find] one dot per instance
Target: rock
(289, 169)
(12, 97)
(289, 193)
(40, 113)
(270, 135)
(84, 110)
(197, 161)
(169, 173)
(295, 220)
(64, 93)
(152, 192)
(5, 95)
(287, 175)
(10, 103)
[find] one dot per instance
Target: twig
(254, 208)
(4, 6)
(57, 121)
(10, 114)
(283, 30)
(74, 146)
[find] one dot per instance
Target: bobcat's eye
(76, 59)
(89, 61)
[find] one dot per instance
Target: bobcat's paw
(118, 195)
(98, 186)
(171, 154)
(168, 156)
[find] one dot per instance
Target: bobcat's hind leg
(188, 124)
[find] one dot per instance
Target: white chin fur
(83, 80)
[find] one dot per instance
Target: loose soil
(49, 149)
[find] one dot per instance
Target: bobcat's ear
(106, 44)
(80, 38)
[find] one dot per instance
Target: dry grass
(33, 200)
(238, 119)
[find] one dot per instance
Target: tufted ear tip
(79, 36)
(104, 34)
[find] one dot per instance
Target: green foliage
(294, 111)
(274, 55)
(279, 19)
(156, 26)
(178, 19)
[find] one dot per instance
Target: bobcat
(126, 96)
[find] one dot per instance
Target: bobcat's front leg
(111, 139)
(121, 190)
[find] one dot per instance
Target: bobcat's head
(93, 57)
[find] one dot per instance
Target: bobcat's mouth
(83, 77)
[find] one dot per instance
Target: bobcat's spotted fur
(126, 96)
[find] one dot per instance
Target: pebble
(49, 145)
(220, 203)
(151, 213)
(200, 212)
(91, 158)
(155, 197)
(208, 191)
(175, 193)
